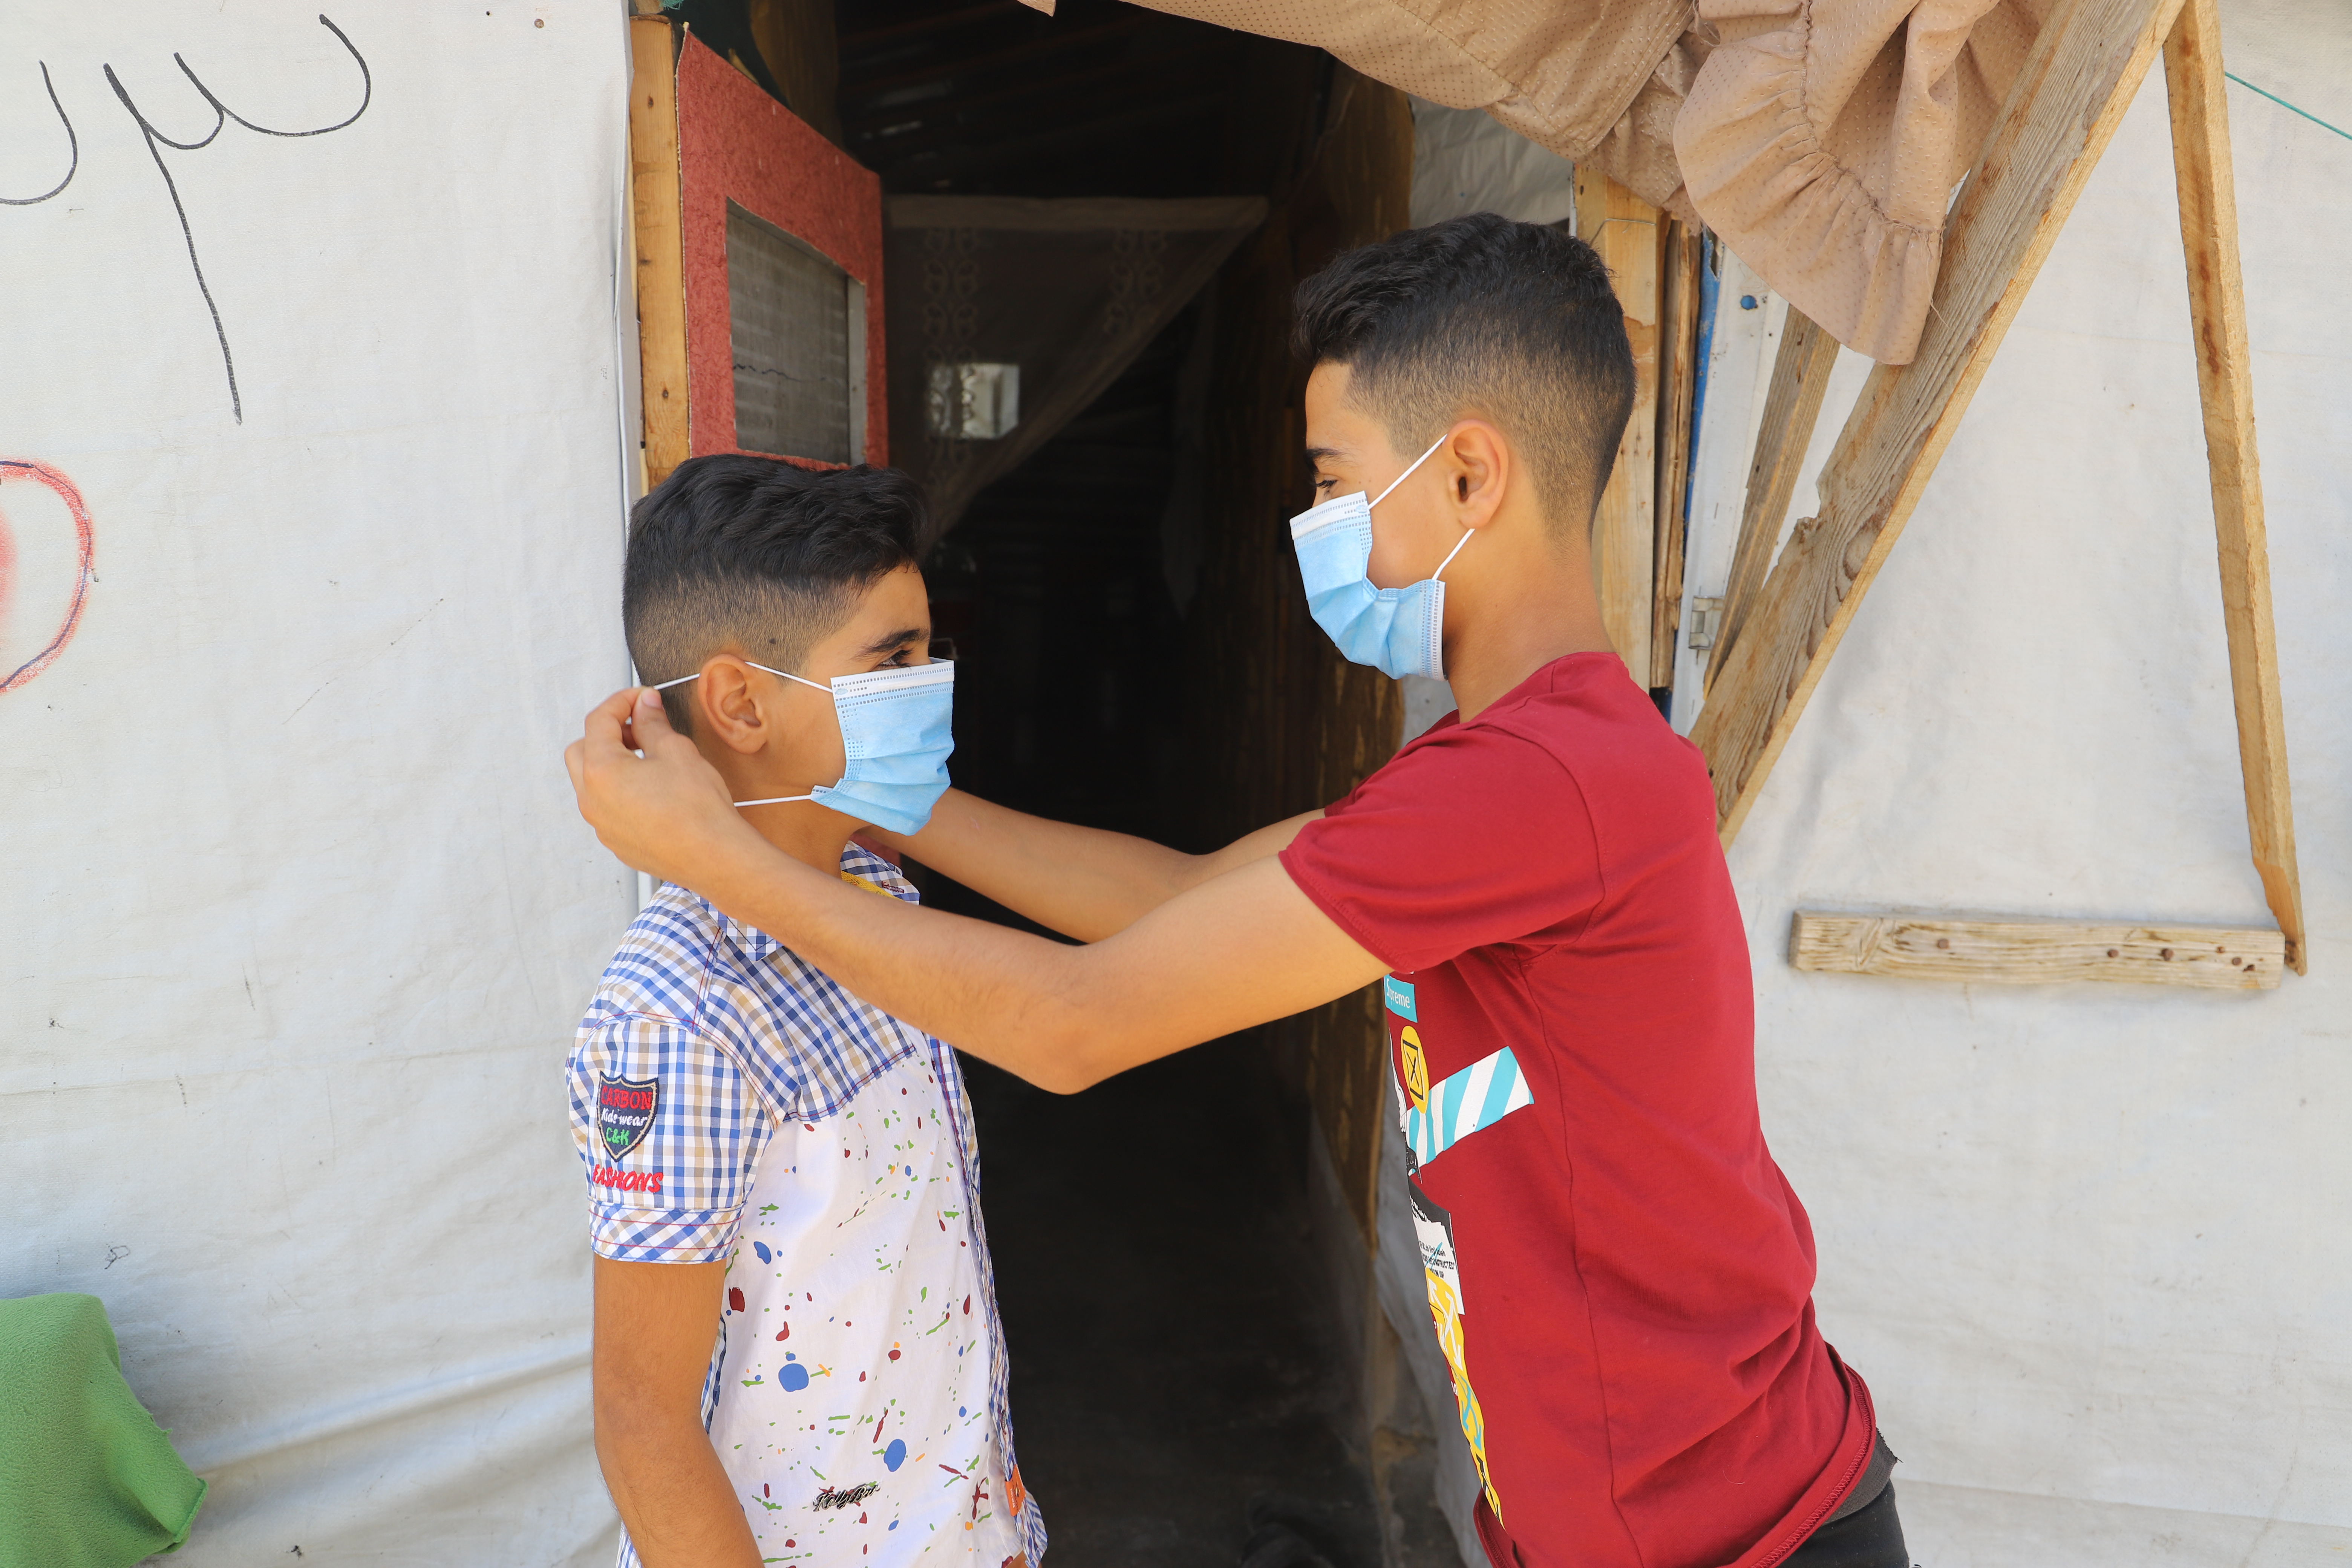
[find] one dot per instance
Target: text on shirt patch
(1397, 997)
(621, 1180)
(624, 1113)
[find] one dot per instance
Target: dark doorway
(1171, 1357)
(1070, 682)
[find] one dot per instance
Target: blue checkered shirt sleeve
(677, 1196)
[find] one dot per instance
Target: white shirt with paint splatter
(853, 1388)
(824, 1151)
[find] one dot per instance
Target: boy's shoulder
(666, 963)
(1580, 708)
(1578, 696)
(1578, 727)
(681, 950)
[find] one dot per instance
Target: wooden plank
(1623, 228)
(1678, 287)
(2086, 62)
(1285, 724)
(2036, 953)
(797, 44)
(656, 218)
(1792, 406)
(1350, 718)
(2217, 310)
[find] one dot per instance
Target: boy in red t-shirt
(1620, 1278)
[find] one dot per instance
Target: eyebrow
(1316, 454)
(899, 639)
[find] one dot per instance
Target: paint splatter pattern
(854, 1406)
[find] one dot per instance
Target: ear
(1480, 469)
(725, 708)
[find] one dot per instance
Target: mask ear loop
(1450, 555)
(788, 675)
(774, 799)
(1408, 474)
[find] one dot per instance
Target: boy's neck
(1531, 603)
(812, 834)
(809, 833)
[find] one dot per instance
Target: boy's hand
(667, 812)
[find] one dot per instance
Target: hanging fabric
(1007, 316)
(1819, 139)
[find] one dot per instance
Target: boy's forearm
(1001, 994)
(1084, 882)
(1244, 946)
(1267, 841)
(672, 1492)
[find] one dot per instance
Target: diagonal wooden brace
(2217, 310)
(2088, 60)
(1792, 405)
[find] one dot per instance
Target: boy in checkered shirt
(772, 1163)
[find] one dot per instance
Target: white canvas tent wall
(298, 915)
(2080, 1238)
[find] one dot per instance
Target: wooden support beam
(1678, 288)
(1623, 228)
(2088, 60)
(2217, 310)
(2036, 953)
(797, 44)
(1792, 406)
(658, 224)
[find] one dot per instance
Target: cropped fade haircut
(752, 552)
(1513, 322)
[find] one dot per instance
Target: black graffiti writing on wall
(156, 142)
(73, 150)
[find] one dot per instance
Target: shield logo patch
(624, 1113)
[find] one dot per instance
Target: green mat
(86, 1478)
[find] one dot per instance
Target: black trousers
(1870, 1537)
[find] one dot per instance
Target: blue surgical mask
(896, 730)
(1397, 631)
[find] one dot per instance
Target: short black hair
(759, 553)
(1514, 322)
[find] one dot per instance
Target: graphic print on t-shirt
(1471, 1100)
(1435, 1117)
(1433, 1228)
(625, 1113)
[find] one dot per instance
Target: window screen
(797, 323)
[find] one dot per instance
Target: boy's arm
(1242, 948)
(1084, 882)
(654, 1328)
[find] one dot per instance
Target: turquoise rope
(2283, 103)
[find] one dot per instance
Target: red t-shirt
(1621, 1276)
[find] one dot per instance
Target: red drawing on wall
(44, 575)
